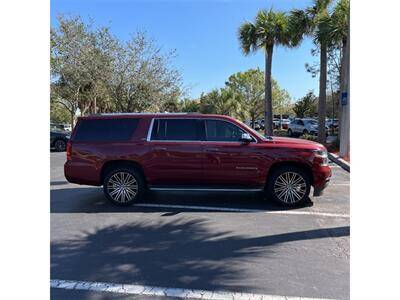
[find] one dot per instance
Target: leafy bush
(280, 132)
(309, 137)
(334, 146)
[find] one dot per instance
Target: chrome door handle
(212, 150)
(160, 148)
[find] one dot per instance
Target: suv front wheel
(288, 186)
(123, 186)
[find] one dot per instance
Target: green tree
(220, 101)
(172, 105)
(189, 105)
(281, 101)
(92, 71)
(249, 89)
(68, 82)
(269, 29)
(306, 106)
(142, 78)
(58, 113)
(315, 21)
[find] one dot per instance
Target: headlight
(321, 157)
(68, 136)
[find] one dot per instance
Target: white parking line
(230, 209)
(162, 291)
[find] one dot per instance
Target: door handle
(160, 148)
(212, 150)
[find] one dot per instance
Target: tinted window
(222, 131)
(175, 130)
(105, 129)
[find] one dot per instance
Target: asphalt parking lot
(233, 242)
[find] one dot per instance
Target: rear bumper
(81, 174)
(322, 177)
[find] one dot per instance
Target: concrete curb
(339, 161)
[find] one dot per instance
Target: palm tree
(315, 21)
(269, 29)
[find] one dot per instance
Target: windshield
(312, 122)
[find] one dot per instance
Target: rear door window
(176, 130)
(105, 129)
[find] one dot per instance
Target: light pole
(345, 99)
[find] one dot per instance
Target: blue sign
(344, 98)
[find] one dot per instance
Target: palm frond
(248, 37)
(299, 24)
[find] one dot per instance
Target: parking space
(234, 242)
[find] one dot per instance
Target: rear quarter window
(105, 129)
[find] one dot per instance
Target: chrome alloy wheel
(122, 187)
(290, 187)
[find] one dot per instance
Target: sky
(204, 35)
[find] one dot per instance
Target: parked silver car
(303, 126)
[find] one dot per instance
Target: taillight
(69, 150)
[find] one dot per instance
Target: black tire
(127, 198)
(60, 145)
(273, 187)
(289, 132)
(305, 131)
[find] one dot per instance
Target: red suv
(130, 153)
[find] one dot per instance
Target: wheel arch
(112, 164)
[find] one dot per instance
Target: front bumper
(319, 190)
(322, 177)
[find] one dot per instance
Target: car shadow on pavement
(59, 182)
(92, 200)
(180, 253)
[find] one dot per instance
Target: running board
(189, 189)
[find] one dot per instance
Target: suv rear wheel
(123, 186)
(289, 186)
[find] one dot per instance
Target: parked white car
(303, 126)
(285, 123)
(332, 123)
(61, 127)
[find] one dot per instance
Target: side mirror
(245, 138)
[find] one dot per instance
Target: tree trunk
(72, 120)
(322, 94)
(268, 93)
(95, 105)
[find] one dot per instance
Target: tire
(305, 131)
(288, 195)
(60, 145)
(289, 132)
(129, 178)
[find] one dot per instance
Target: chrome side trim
(205, 189)
(150, 130)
